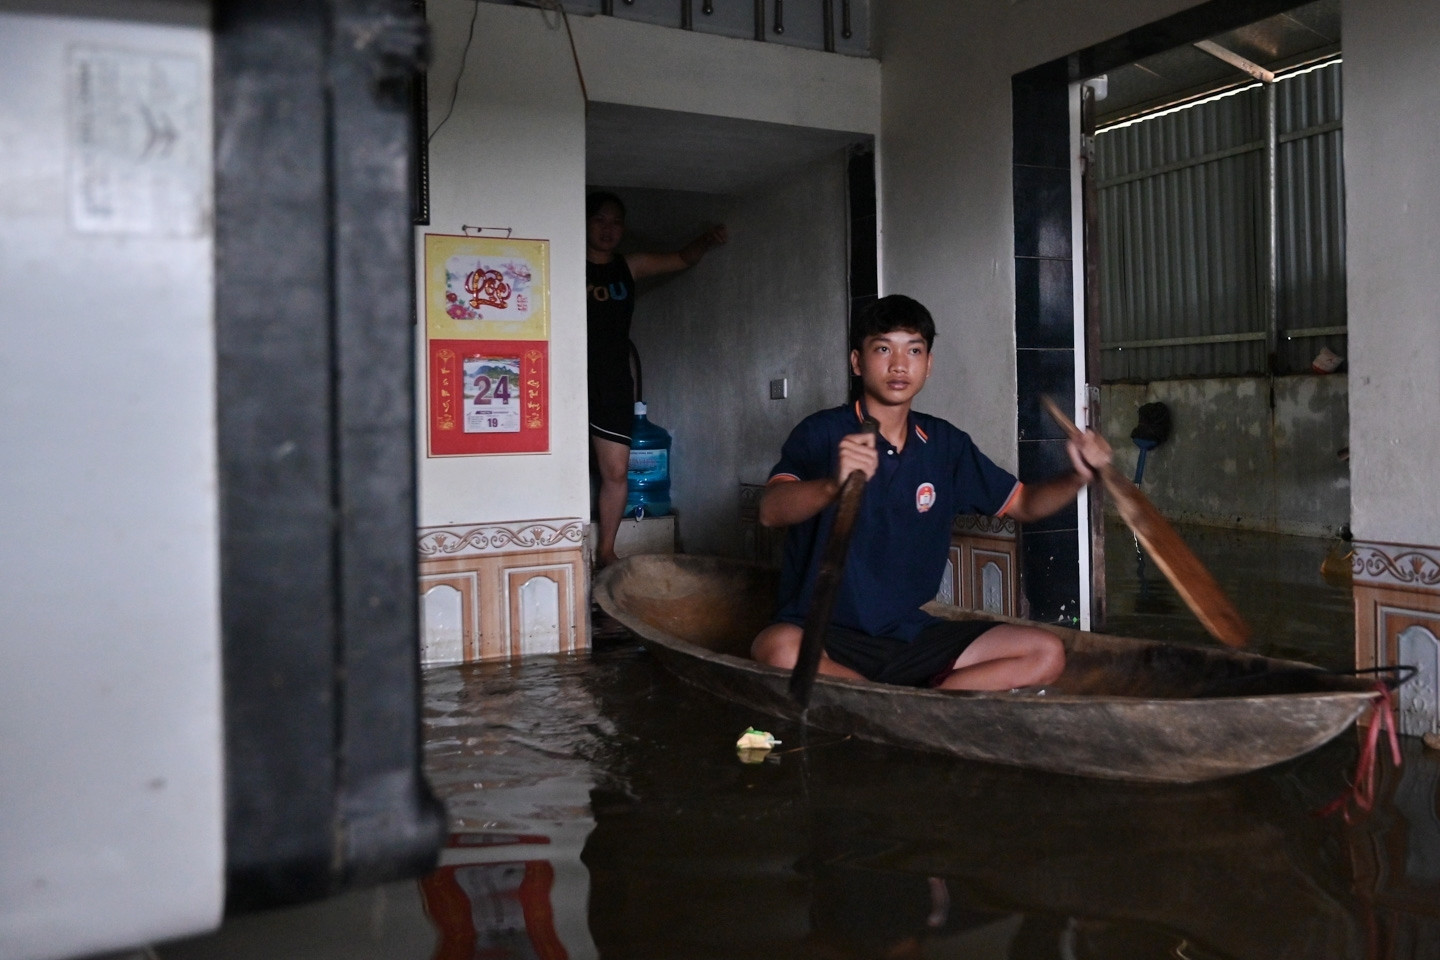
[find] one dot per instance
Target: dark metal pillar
(1272, 234)
(314, 254)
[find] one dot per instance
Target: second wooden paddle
(1181, 567)
(827, 583)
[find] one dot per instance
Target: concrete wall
(513, 154)
(771, 304)
(1392, 207)
(1232, 460)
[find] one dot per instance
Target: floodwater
(1274, 581)
(599, 809)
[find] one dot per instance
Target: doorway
(737, 349)
(1201, 235)
(1220, 258)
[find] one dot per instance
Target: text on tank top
(610, 303)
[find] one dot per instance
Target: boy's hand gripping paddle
(1181, 567)
(827, 582)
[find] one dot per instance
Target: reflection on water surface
(1274, 581)
(600, 810)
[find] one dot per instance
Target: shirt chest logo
(924, 497)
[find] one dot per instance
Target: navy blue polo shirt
(901, 537)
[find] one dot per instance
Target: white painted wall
(111, 766)
(1392, 208)
(513, 154)
(772, 303)
(647, 66)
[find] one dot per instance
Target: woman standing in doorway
(610, 301)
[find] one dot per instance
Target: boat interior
(718, 605)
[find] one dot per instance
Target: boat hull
(1125, 709)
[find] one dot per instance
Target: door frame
(1062, 558)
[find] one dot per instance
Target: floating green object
(753, 739)
(753, 745)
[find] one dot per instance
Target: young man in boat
(921, 472)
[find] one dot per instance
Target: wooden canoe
(1124, 709)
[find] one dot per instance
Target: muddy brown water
(599, 809)
(1275, 582)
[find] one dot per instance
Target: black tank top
(610, 303)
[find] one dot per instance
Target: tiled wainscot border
(1397, 621)
(983, 570)
(493, 591)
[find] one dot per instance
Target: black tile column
(864, 258)
(1045, 359)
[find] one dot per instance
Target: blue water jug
(648, 484)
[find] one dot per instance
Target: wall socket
(780, 389)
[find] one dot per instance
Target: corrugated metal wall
(1183, 239)
(1312, 217)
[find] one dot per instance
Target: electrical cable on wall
(542, 5)
(559, 6)
(455, 92)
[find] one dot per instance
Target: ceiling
(638, 147)
(1294, 38)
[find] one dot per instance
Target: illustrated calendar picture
(486, 288)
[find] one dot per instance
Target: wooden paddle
(827, 582)
(1181, 567)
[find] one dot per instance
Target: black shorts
(612, 405)
(917, 663)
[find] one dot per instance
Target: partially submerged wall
(502, 562)
(1235, 460)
